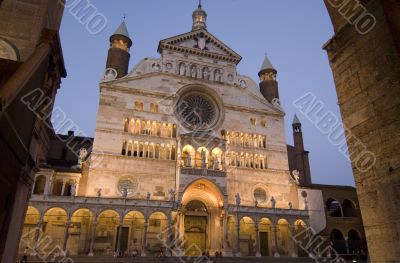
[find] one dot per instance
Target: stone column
(121, 224)
(238, 253)
(169, 235)
(346, 243)
(66, 235)
(276, 254)
(295, 252)
(144, 243)
(92, 238)
(227, 247)
(258, 253)
(63, 187)
(37, 235)
(47, 187)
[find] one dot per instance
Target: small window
(154, 107)
(138, 106)
(264, 123)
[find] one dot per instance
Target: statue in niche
(148, 195)
(203, 158)
(193, 72)
(206, 74)
(182, 69)
(216, 163)
(238, 199)
(273, 202)
(290, 206)
(99, 193)
(188, 160)
(218, 76)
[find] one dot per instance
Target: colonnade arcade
(198, 222)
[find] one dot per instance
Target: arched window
(339, 244)
(129, 148)
(135, 149)
(333, 208)
(126, 124)
(173, 153)
(124, 144)
(138, 105)
(157, 151)
(182, 69)
(349, 209)
(354, 241)
(40, 184)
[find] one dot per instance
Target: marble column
(121, 224)
(276, 254)
(295, 252)
(169, 235)
(38, 232)
(66, 235)
(63, 187)
(238, 253)
(144, 243)
(258, 253)
(92, 238)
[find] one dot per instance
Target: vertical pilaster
(92, 238)
(258, 253)
(144, 243)
(276, 254)
(66, 234)
(295, 252)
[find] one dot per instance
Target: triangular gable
(202, 43)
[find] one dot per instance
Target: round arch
(31, 221)
(334, 208)
(106, 231)
(134, 223)
(349, 208)
(157, 232)
(54, 221)
(205, 191)
(266, 235)
(247, 236)
(338, 241)
(80, 231)
(354, 241)
(285, 247)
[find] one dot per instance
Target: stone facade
(31, 62)
(366, 72)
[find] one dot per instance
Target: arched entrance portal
(202, 218)
(196, 218)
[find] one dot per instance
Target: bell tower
(302, 161)
(268, 83)
(199, 18)
(118, 53)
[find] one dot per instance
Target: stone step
(106, 259)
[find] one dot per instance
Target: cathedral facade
(189, 156)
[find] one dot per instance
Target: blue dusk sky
(292, 33)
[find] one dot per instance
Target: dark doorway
(264, 244)
(124, 238)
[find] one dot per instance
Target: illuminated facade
(188, 156)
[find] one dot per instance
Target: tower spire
(118, 53)
(199, 18)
